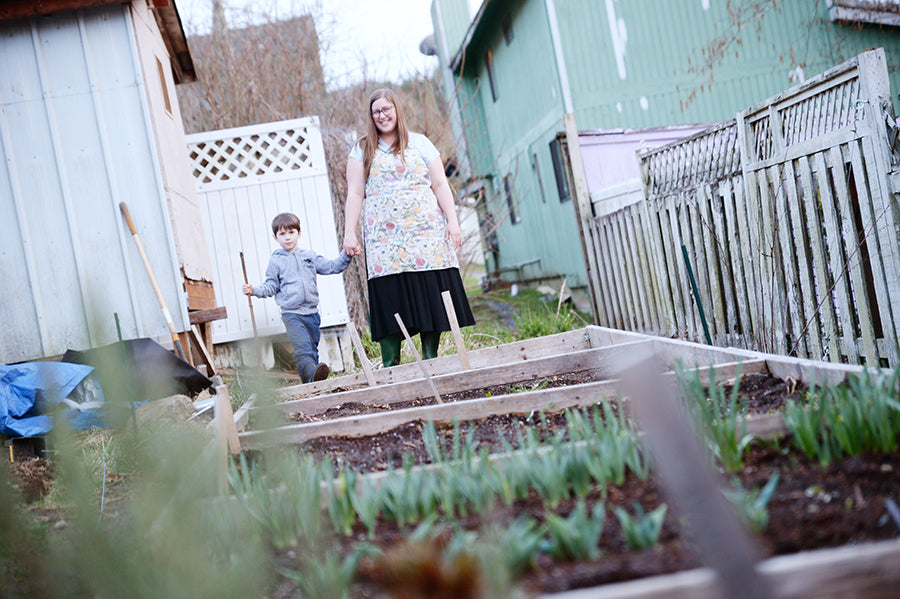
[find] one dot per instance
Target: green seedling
(641, 530)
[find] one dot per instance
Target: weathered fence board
(787, 217)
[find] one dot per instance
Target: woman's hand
(351, 244)
(455, 234)
(247, 289)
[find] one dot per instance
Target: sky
(382, 34)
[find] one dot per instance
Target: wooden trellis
(787, 222)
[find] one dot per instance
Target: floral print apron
(403, 226)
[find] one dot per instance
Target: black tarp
(140, 370)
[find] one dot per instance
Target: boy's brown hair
(285, 220)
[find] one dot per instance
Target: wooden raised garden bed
(530, 383)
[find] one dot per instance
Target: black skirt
(416, 296)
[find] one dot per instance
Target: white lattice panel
(706, 156)
(244, 177)
(230, 157)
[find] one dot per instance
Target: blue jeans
(303, 333)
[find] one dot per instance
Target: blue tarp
(30, 391)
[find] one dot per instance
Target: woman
(410, 229)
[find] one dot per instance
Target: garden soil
(813, 506)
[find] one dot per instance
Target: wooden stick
(418, 359)
(454, 326)
(361, 352)
(224, 417)
(159, 298)
(684, 472)
(201, 345)
(259, 358)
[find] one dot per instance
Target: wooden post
(683, 467)
(361, 352)
(454, 326)
(194, 334)
(226, 431)
(418, 359)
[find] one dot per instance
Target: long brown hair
(370, 141)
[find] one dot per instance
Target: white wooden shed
(89, 119)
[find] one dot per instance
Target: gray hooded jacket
(291, 278)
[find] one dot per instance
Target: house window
(537, 171)
(560, 170)
(508, 33)
(489, 64)
(510, 201)
(165, 88)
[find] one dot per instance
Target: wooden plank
(639, 292)
(591, 359)
(773, 296)
(226, 431)
(859, 298)
(526, 349)
(202, 316)
(620, 282)
(643, 266)
(198, 342)
(242, 416)
(685, 237)
(651, 260)
(719, 209)
(200, 294)
(839, 288)
(715, 257)
(678, 281)
(870, 570)
(786, 266)
(361, 353)
(604, 282)
(682, 469)
(809, 329)
(875, 242)
(749, 217)
(557, 399)
(821, 291)
(454, 327)
(886, 216)
(412, 347)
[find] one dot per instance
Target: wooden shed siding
(75, 142)
(181, 199)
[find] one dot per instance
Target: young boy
(291, 278)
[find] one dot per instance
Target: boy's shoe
(322, 372)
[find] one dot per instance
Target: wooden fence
(777, 231)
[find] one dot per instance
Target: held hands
(351, 244)
(247, 289)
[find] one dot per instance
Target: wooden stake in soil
(361, 352)
(226, 431)
(454, 325)
(259, 357)
(683, 469)
(418, 359)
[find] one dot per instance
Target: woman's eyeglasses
(382, 111)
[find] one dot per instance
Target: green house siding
(646, 70)
(507, 136)
(661, 77)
